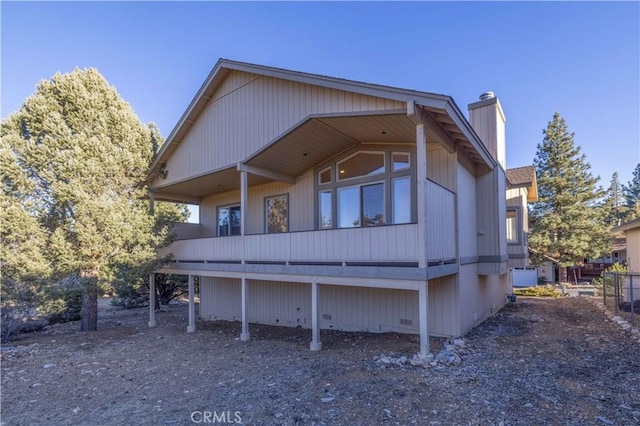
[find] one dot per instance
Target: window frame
(266, 213)
(518, 227)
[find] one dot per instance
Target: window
(325, 209)
(361, 205)
(369, 188)
(399, 161)
(512, 226)
(361, 164)
(229, 221)
(276, 214)
(324, 176)
(401, 199)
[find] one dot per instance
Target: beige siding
(247, 112)
(491, 217)
(301, 201)
(480, 296)
(441, 223)
(443, 307)
(374, 244)
(467, 213)
(289, 304)
(441, 166)
(517, 197)
(633, 250)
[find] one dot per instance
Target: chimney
(487, 119)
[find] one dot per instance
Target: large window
(371, 188)
(277, 214)
(512, 226)
(229, 220)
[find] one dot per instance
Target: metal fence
(621, 294)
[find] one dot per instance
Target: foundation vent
(326, 317)
(404, 321)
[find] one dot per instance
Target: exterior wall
(441, 166)
(289, 304)
(480, 296)
(467, 217)
(518, 252)
(633, 250)
(443, 307)
(491, 219)
(249, 111)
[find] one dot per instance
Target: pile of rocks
(450, 354)
(622, 323)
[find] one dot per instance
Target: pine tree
(77, 158)
(631, 193)
(615, 210)
(567, 225)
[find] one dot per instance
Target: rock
(76, 410)
(448, 357)
(278, 415)
(402, 360)
(459, 343)
(49, 366)
(528, 405)
(389, 413)
(328, 398)
(604, 420)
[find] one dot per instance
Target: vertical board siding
(441, 167)
(467, 213)
(487, 213)
(278, 303)
(220, 299)
(375, 244)
(480, 296)
(443, 307)
(367, 309)
(249, 111)
(441, 222)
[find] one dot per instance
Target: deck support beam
(423, 312)
(245, 335)
(191, 328)
(152, 300)
(315, 344)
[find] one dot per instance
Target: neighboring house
(334, 204)
(522, 189)
(631, 230)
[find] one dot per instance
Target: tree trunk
(562, 271)
(89, 309)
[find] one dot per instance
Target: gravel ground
(537, 362)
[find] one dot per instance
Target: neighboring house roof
(633, 224)
(439, 104)
(524, 177)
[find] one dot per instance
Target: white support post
(315, 344)
(243, 203)
(421, 151)
(152, 300)
(191, 328)
(245, 335)
(423, 312)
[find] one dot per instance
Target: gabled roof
(524, 177)
(434, 102)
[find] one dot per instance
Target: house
(631, 286)
(334, 204)
(522, 189)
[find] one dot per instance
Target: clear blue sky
(580, 59)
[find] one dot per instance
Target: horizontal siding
(375, 244)
(249, 111)
(441, 223)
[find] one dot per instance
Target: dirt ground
(537, 362)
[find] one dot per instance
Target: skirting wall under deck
(480, 296)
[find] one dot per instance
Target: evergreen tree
(615, 210)
(77, 157)
(631, 193)
(567, 225)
